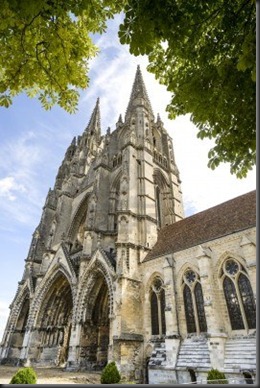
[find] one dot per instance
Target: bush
(110, 374)
(216, 377)
(24, 376)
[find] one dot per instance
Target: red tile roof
(221, 220)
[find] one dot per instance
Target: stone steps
(158, 357)
(240, 354)
(193, 353)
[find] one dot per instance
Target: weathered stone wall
(112, 195)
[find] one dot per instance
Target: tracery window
(158, 308)
(193, 303)
(239, 296)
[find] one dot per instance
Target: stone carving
(110, 295)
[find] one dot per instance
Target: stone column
(74, 344)
(172, 338)
(249, 253)
(26, 340)
(170, 300)
(30, 349)
(217, 339)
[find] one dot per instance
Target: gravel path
(52, 376)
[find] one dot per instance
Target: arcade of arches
(51, 337)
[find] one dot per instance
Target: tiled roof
(229, 217)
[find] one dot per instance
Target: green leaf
(205, 54)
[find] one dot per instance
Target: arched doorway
(192, 375)
(95, 330)
(54, 322)
(248, 378)
(19, 330)
(146, 376)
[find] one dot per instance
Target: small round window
(190, 276)
(232, 267)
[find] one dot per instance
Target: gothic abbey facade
(116, 272)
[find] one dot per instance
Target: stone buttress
(80, 300)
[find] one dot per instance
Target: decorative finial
(139, 94)
(94, 122)
(159, 120)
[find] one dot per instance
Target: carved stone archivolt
(43, 290)
(23, 293)
(97, 268)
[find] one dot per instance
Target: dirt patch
(53, 376)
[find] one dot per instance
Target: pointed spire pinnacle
(159, 120)
(120, 120)
(139, 95)
(94, 122)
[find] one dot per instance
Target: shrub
(216, 377)
(110, 374)
(24, 376)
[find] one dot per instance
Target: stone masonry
(116, 272)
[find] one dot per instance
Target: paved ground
(52, 376)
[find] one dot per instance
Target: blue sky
(33, 143)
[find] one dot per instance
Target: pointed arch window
(189, 311)
(154, 313)
(239, 296)
(158, 308)
(158, 206)
(194, 303)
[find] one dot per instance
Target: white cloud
(203, 187)
(21, 184)
(112, 79)
(8, 187)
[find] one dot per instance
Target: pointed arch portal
(18, 333)
(54, 322)
(95, 329)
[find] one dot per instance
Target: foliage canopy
(216, 377)
(204, 51)
(110, 374)
(45, 46)
(24, 376)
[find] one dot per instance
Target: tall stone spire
(94, 126)
(139, 96)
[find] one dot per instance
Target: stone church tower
(80, 300)
(115, 271)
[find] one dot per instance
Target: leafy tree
(216, 377)
(110, 374)
(24, 376)
(205, 53)
(45, 46)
